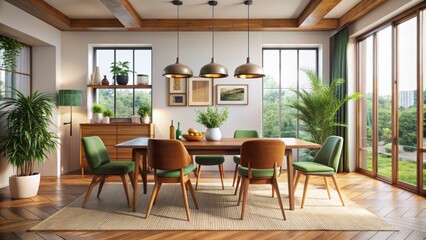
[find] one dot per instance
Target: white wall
(195, 51)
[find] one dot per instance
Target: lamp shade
(213, 70)
(177, 70)
(68, 97)
(249, 70)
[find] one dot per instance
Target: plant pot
(142, 79)
(135, 119)
(146, 120)
(213, 134)
(122, 79)
(105, 120)
(97, 117)
(24, 186)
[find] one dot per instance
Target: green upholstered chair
(100, 164)
(210, 160)
(324, 164)
(237, 159)
(172, 164)
(261, 162)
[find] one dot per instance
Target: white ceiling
(197, 9)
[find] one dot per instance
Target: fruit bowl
(192, 138)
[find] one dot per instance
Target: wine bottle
(172, 131)
(178, 132)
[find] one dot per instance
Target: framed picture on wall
(177, 85)
(177, 99)
(200, 91)
(227, 94)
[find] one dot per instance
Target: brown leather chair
(172, 164)
(261, 162)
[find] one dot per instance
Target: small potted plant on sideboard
(97, 113)
(145, 112)
(106, 116)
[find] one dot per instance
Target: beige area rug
(218, 211)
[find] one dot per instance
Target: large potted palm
(27, 139)
(317, 107)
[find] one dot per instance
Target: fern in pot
(28, 139)
(212, 119)
(97, 113)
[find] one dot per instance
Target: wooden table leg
(144, 173)
(135, 158)
(289, 156)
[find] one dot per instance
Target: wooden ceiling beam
(190, 25)
(43, 11)
(124, 12)
(359, 10)
(315, 11)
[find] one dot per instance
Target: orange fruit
(192, 130)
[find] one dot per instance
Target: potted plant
(106, 116)
(145, 112)
(27, 138)
(121, 71)
(97, 113)
(318, 106)
(11, 49)
(142, 79)
(212, 119)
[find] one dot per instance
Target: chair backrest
(330, 152)
(246, 134)
(167, 154)
(96, 152)
(262, 153)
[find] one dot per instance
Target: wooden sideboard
(112, 134)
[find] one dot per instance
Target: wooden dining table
(226, 146)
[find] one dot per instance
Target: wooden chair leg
(241, 189)
(130, 174)
(280, 201)
(221, 175)
(101, 185)
(304, 190)
(235, 175)
(126, 188)
(185, 198)
(89, 191)
(151, 201)
(338, 189)
(158, 192)
(273, 192)
(327, 187)
(191, 189)
(298, 174)
(198, 176)
(236, 187)
(246, 188)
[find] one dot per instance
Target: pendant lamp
(177, 70)
(213, 70)
(249, 70)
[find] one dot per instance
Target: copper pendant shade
(212, 69)
(177, 70)
(249, 70)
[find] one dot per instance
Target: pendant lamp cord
(212, 31)
(248, 30)
(177, 30)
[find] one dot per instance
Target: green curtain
(339, 69)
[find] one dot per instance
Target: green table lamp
(70, 98)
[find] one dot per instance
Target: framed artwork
(228, 94)
(177, 85)
(177, 99)
(200, 92)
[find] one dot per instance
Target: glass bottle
(172, 131)
(178, 132)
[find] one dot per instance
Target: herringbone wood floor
(400, 208)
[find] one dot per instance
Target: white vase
(96, 78)
(24, 186)
(213, 134)
(97, 117)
